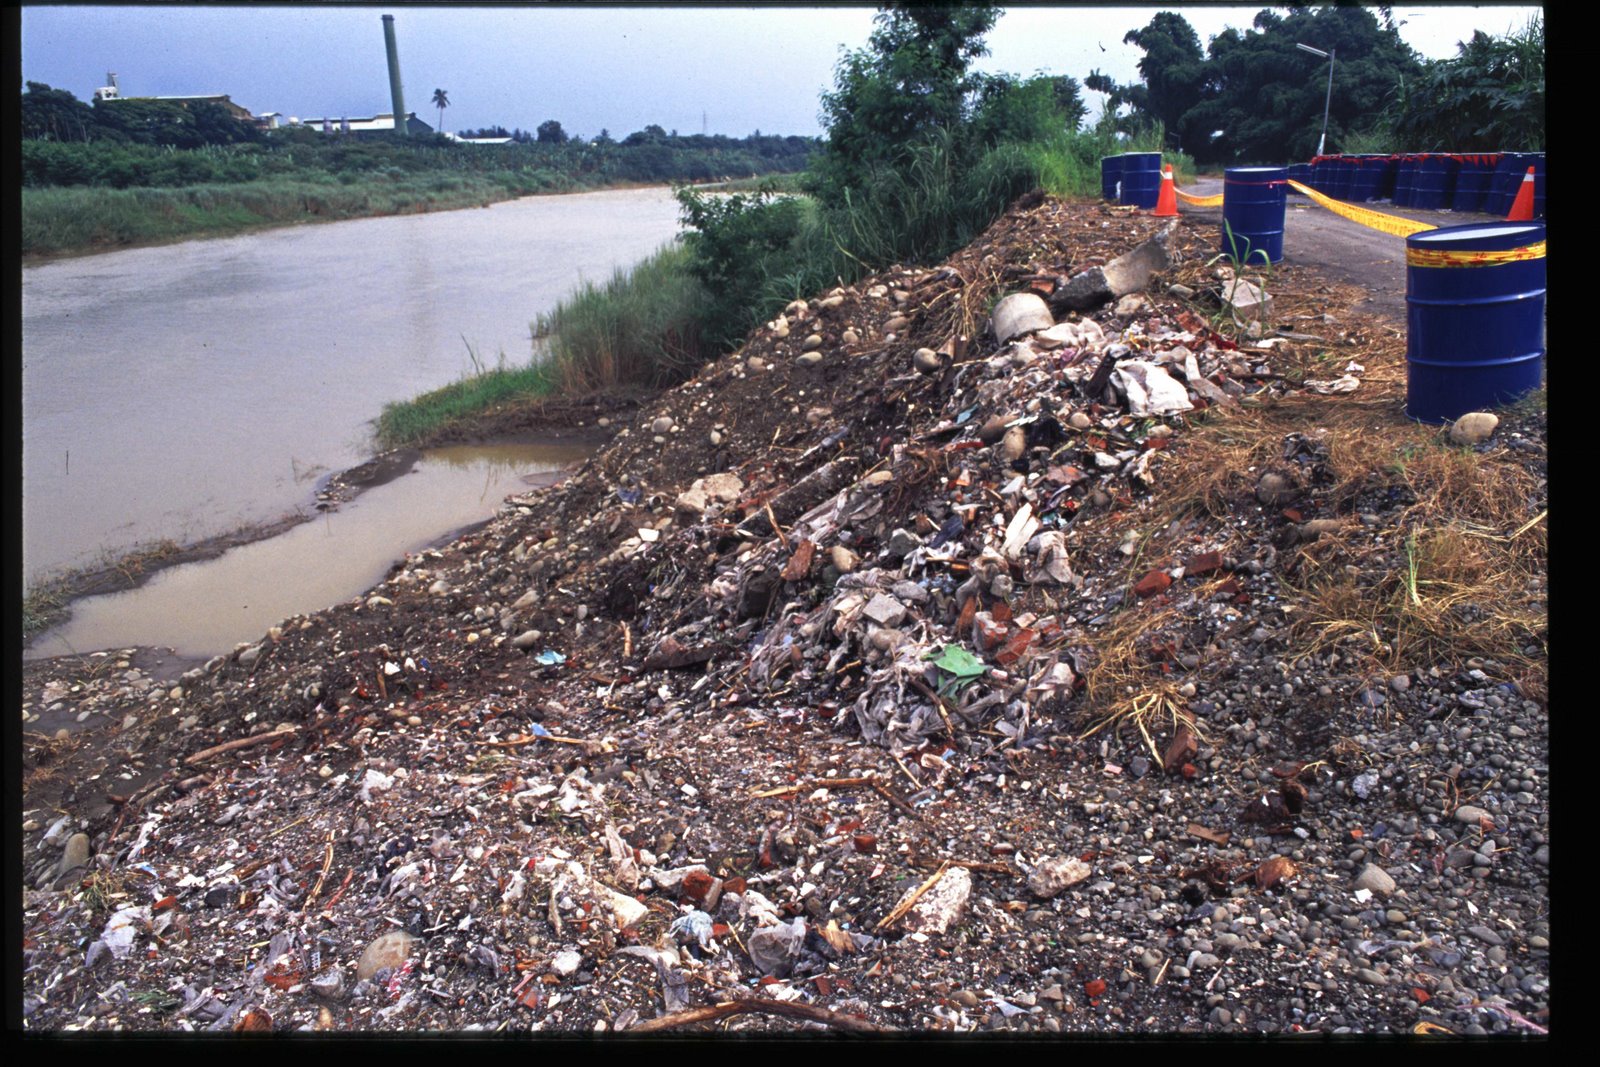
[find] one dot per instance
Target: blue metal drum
(1110, 175)
(1473, 180)
(1474, 317)
(1435, 181)
(1141, 178)
(1253, 200)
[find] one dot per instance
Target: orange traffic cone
(1522, 206)
(1167, 200)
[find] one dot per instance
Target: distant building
(478, 140)
(373, 127)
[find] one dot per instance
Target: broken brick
(1153, 583)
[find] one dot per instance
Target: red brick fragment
(1203, 564)
(697, 884)
(1153, 583)
(1095, 987)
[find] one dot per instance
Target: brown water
(197, 388)
(205, 608)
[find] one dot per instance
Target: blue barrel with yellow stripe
(1474, 317)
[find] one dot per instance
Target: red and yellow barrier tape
(1439, 257)
(1199, 201)
(1376, 220)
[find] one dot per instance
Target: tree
(1490, 96)
(909, 82)
(550, 132)
(57, 115)
(441, 100)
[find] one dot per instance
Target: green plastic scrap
(956, 661)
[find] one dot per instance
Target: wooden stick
(327, 863)
(283, 730)
(342, 887)
(740, 1005)
(899, 912)
(530, 740)
(939, 702)
(818, 783)
(971, 865)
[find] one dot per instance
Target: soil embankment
(1132, 677)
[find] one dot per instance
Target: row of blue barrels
(1475, 297)
(1131, 178)
(1484, 182)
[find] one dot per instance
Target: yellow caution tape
(1377, 220)
(1199, 201)
(1439, 257)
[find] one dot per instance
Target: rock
(850, 337)
(1018, 314)
(1131, 304)
(386, 950)
(942, 906)
(1472, 815)
(248, 657)
(844, 561)
(809, 359)
(1376, 879)
(1248, 300)
(1316, 528)
(1080, 421)
(756, 363)
(565, 963)
(1131, 272)
(1083, 292)
(903, 542)
(1056, 874)
(723, 488)
(1182, 292)
(527, 639)
(993, 428)
(662, 424)
(813, 341)
(1013, 444)
(328, 983)
(1371, 977)
(926, 360)
(76, 854)
(885, 610)
(1273, 489)
(1473, 428)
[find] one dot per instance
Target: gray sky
(734, 69)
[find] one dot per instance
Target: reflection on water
(183, 391)
(202, 609)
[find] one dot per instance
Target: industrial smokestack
(396, 94)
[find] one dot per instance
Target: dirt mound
(883, 675)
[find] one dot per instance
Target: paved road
(1348, 251)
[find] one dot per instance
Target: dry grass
(1458, 571)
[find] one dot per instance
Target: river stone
(850, 337)
(1018, 314)
(896, 323)
(329, 983)
(566, 963)
(76, 854)
(1056, 874)
(809, 359)
(1272, 489)
(527, 639)
(248, 657)
(813, 341)
(926, 360)
(662, 424)
(386, 950)
(1472, 815)
(942, 906)
(1376, 879)
(844, 561)
(1473, 428)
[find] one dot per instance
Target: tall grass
(639, 328)
(1068, 164)
(642, 327)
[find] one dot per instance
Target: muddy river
(192, 389)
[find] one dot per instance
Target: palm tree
(441, 100)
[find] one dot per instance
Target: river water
(193, 389)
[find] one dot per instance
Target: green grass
(78, 219)
(638, 328)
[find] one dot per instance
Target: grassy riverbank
(66, 221)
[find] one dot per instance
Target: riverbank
(64, 223)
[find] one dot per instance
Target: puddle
(202, 609)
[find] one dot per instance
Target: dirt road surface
(1347, 250)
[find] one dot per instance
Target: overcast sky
(727, 70)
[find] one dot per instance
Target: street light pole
(1328, 55)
